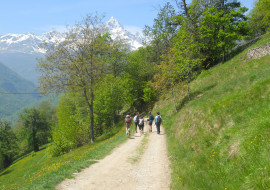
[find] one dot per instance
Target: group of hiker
(139, 122)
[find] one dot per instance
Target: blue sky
(39, 16)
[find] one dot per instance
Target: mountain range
(20, 51)
(18, 61)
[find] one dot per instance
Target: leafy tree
(187, 54)
(77, 62)
(35, 127)
(220, 27)
(167, 77)
(259, 17)
(112, 95)
(160, 34)
(8, 145)
(71, 130)
(138, 71)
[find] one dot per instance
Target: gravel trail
(117, 172)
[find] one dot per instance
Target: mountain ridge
(29, 43)
(20, 51)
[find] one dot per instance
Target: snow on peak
(29, 43)
(118, 32)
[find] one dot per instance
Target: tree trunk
(91, 101)
(90, 106)
(92, 112)
(185, 7)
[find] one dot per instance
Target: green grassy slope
(220, 139)
(40, 171)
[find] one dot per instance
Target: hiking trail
(118, 171)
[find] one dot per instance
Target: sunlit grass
(220, 139)
(40, 171)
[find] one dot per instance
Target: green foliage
(72, 129)
(139, 70)
(112, 95)
(149, 95)
(8, 145)
(35, 128)
(259, 18)
(220, 28)
(186, 52)
(162, 31)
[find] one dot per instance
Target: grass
(40, 171)
(220, 139)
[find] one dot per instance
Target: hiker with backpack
(158, 121)
(128, 122)
(150, 121)
(136, 120)
(141, 124)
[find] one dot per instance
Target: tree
(259, 17)
(160, 34)
(8, 145)
(187, 53)
(35, 127)
(77, 62)
(220, 27)
(167, 77)
(73, 121)
(139, 70)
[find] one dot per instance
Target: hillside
(22, 63)
(220, 138)
(11, 82)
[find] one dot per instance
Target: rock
(258, 52)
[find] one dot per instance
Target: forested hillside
(213, 100)
(23, 64)
(14, 92)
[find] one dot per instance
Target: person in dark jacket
(150, 121)
(158, 121)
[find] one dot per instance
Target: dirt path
(116, 171)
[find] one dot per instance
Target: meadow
(220, 137)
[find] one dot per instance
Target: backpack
(136, 119)
(151, 117)
(141, 122)
(158, 120)
(128, 119)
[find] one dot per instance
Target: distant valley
(15, 92)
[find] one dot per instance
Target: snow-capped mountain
(29, 43)
(117, 31)
(20, 51)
